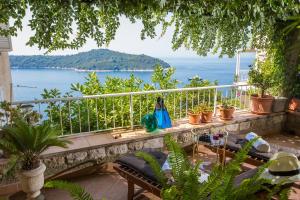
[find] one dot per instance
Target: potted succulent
(206, 113)
(226, 110)
(261, 78)
(24, 143)
(195, 115)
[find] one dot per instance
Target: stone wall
(293, 123)
(273, 123)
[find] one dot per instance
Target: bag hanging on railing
(162, 115)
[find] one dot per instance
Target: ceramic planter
(194, 118)
(32, 181)
(261, 106)
(226, 113)
(294, 104)
(206, 117)
(279, 104)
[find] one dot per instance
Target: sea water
(211, 68)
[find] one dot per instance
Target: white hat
(284, 168)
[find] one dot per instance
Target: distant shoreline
(88, 70)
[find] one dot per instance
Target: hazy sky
(127, 40)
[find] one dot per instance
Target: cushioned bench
(235, 143)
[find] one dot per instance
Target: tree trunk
(292, 59)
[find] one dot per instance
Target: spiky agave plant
(220, 183)
(24, 143)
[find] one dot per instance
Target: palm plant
(220, 183)
(76, 191)
(24, 143)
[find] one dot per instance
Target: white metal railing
(243, 75)
(125, 110)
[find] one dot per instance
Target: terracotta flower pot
(32, 181)
(194, 118)
(226, 113)
(261, 106)
(206, 117)
(294, 104)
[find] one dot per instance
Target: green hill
(98, 59)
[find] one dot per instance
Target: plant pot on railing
(261, 105)
(279, 104)
(206, 117)
(294, 104)
(195, 115)
(226, 113)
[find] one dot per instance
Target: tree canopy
(203, 26)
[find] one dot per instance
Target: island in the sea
(94, 60)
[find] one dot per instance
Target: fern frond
(76, 191)
(155, 166)
(177, 159)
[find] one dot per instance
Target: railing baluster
(174, 105)
(60, 118)
(79, 116)
(198, 96)
(180, 105)
(215, 101)
(105, 120)
(70, 117)
(186, 103)
(114, 117)
(131, 110)
(122, 117)
(88, 115)
(97, 117)
(140, 108)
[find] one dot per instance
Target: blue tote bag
(162, 115)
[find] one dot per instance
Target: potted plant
(206, 113)
(261, 78)
(226, 110)
(24, 144)
(195, 115)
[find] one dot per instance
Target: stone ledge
(89, 141)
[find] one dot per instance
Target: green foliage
(261, 76)
(9, 114)
(100, 59)
(203, 26)
(84, 115)
(220, 183)
(25, 143)
(155, 166)
(76, 191)
(227, 103)
(163, 77)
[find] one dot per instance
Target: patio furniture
(137, 172)
(235, 143)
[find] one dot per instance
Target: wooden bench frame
(135, 178)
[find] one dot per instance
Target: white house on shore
(5, 73)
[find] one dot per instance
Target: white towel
(260, 145)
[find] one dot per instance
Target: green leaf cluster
(220, 183)
(24, 143)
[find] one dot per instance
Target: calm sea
(209, 68)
